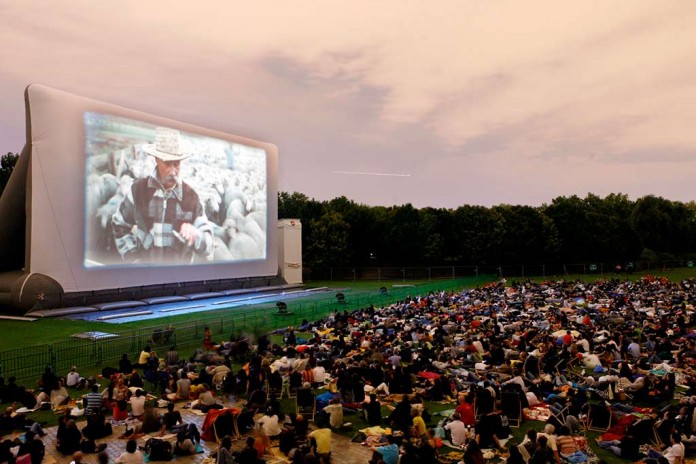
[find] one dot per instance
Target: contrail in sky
(383, 174)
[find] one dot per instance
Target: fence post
(51, 356)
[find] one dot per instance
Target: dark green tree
(610, 234)
(663, 226)
(405, 237)
(529, 236)
(328, 240)
(7, 164)
(366, 230)
(569, 214)
(594, 228)
(437, 226)
(478, 233)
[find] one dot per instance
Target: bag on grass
(577, 457)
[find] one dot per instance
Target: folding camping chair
(599, 416)
(574, 370)
(484, 402)
(274, 384)
(225, 424)
(305, 403)
(656, 437)
(294, 384)
(561, 415)
(244, 423)
(511, 406)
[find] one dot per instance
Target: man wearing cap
(161, 218)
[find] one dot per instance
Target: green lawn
(20, 334)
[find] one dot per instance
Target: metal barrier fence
(29, 363)
(504, 270)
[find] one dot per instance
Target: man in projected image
(161, 218)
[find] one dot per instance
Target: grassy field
(19, 334)
(28, 347)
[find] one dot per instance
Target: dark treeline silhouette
(7, 164)
(615, 229)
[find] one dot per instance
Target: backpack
(159, 450)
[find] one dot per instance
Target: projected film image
(159, 196)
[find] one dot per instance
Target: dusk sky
(438, 104)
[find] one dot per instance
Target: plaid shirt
(147, 223)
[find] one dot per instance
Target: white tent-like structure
(81, 158)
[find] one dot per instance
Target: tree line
(7, 164)
(612, 229)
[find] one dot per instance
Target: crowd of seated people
(571, 347)
(614, 348)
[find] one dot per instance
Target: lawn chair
(244, 423)
(561, 415)
(484, 403)
(294, 384)
(306, 404)
(274, 384)
(599, 416)
(225, 424)
(511, 406)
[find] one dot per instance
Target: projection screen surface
(121, 198)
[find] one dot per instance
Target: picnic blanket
(538, 412)
(448, 413)
(618, 430)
